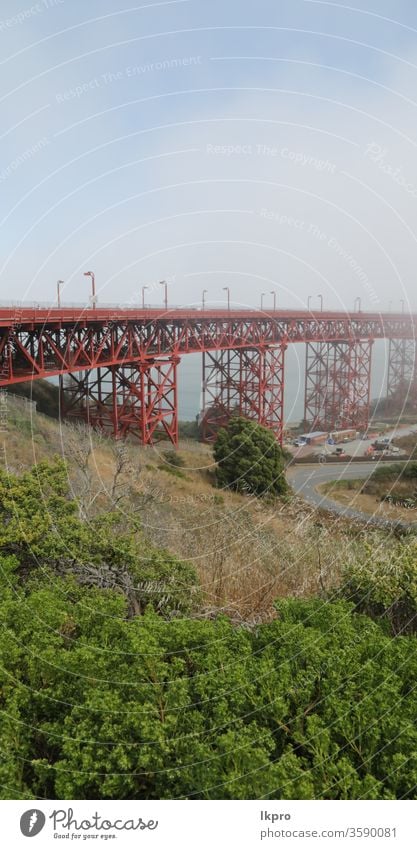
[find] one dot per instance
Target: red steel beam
(246, 382)
(402, 375)
(33, 345)
(338, 384)
(135, 400)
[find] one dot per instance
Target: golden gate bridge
(118, 368)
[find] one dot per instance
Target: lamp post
(144, 288)
(308, 301)
(262, 300)
(59, 283)
(204, 293)
(226, 289)
(358, 301)
(321, 302)
(93, 286)
(165, 284)
(274, 294)
(402, 305)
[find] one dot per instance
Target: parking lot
(355, 447)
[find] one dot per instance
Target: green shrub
(318, 704)
(173, 458)
(383, 584)
(249, 459)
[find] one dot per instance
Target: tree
(249, 459)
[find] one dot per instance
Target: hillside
(246, 552)
(122, 675)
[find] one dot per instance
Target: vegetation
(42, 531)
(130, 672)
(110, 690)
(189, 430)
(173, 458)
(249, 459)
(383, 584)
(394, 483)
(44, 393)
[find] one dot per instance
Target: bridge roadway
(44, 342)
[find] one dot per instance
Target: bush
(189, 430)
(384, 585)
(318, 704)
(173, 459)
(249, 459)
(40, 527)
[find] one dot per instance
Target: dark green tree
(249, 459)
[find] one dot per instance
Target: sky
(266, 146)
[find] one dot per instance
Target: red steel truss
(248, 382)
(338, 384)
(42, 343)
(316, 395)
(138, 400)
(402, 374)
(118, 366)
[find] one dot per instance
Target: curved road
(305, 480)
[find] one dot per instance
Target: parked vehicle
(346, 435)
(339, 452)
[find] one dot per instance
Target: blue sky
(268, 146)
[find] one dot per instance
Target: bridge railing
(81, 305)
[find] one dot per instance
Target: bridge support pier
(338, 384)
(402, 374)
(247, 382)
(138, 399)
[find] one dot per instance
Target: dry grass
(246, 552)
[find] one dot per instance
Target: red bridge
(117, 367)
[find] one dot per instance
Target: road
(305, 480)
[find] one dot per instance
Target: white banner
(208, 825)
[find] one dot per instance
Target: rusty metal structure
(118, 368)
(402, 374)
(338, 384)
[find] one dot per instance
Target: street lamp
(402, 305)
(275, 298)
(358, 301)
(262, 300)
(164, 283)
(93, 286)
(321, 302)
(226, 289)
(59, 283)
(205, 292)
(143, 295)
(308, 301)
